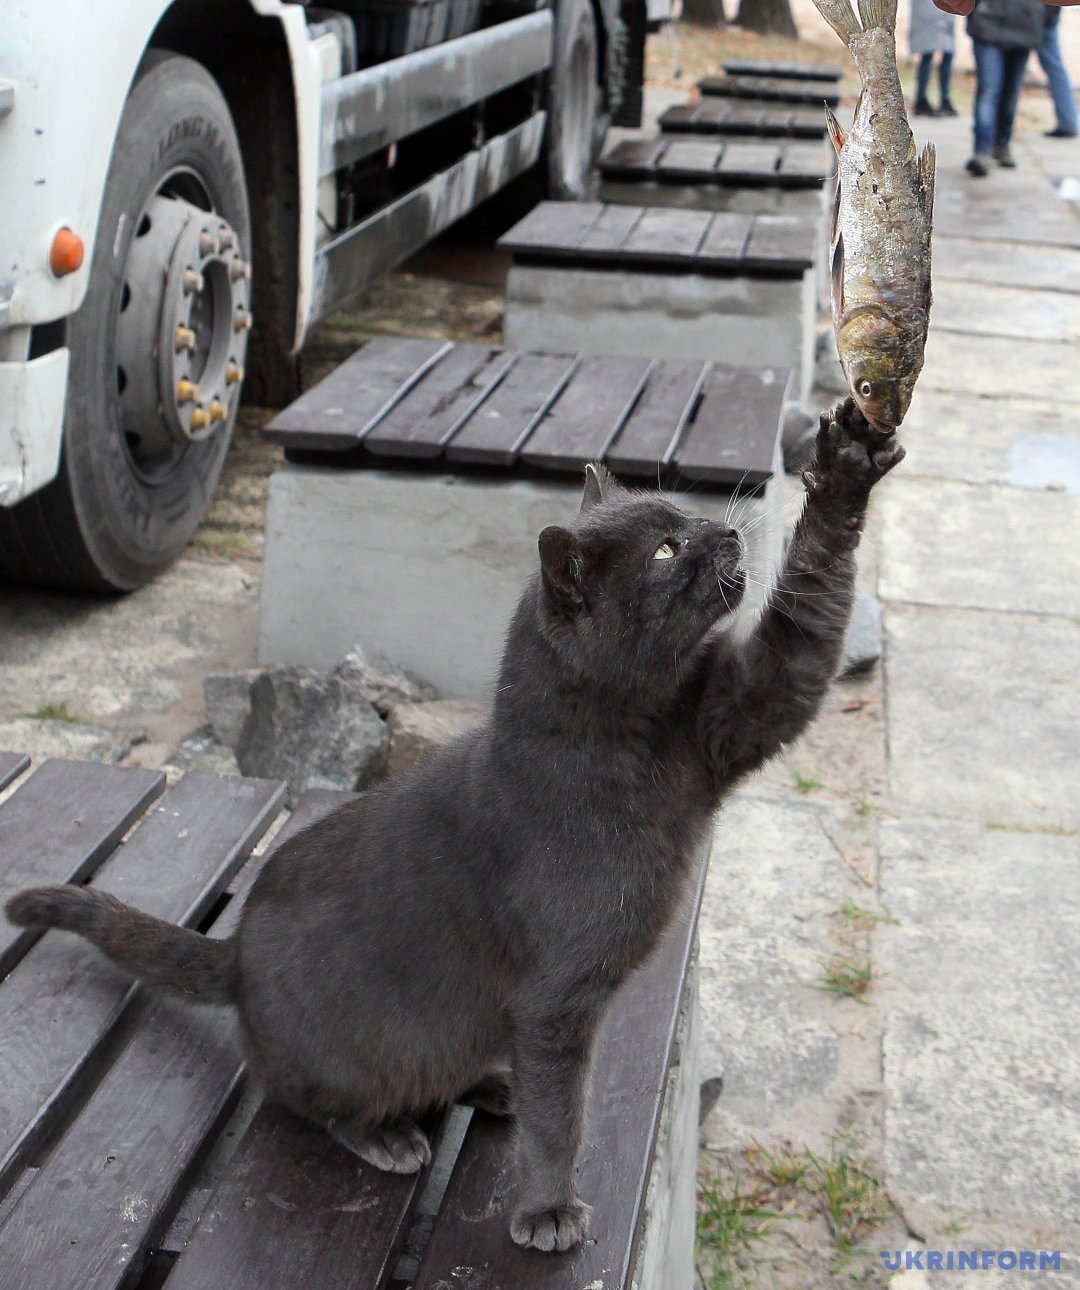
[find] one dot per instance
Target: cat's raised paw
(398, 1147)
(552, 1230)
(850, 452)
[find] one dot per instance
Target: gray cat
(459, 932)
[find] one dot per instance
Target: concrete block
(742, 320)
(427, 569)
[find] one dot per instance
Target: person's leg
(989, 65)
(922, 85)
(1057, 77)
(944, 73)
(1011, 84)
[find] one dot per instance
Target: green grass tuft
(850, 977)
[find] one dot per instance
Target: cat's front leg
(551, 1063)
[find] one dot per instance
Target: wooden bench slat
(680, 118)
(633, 157)
(588, 414)
(12, 766)
(812, 159)
(666, 234)
(296, 1208)
(648, 438)
(440, 404)
(633, 1053)
(60, 824)
(104, 1195)
(492, 433)
(550, 219)
(778, 241)
(336, 414)
(686, 155)
(750, 159)
(613, 226)
(726, 442)
(783, 70)
(777, 89)
(727, 236)
(63, 1001)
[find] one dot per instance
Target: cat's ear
(562, 564)
(597, 482)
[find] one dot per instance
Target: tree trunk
(704, 13)
(770, 17)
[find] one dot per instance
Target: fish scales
(881, 234)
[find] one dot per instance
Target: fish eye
(665, 551)
(866, 389)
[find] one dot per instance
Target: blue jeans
(944, 71)
(1061, 90)
(999, 75)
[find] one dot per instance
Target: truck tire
(574, 107)
(157, 347)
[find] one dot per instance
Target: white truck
(186, 187)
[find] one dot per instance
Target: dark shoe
(1003, 156)
(947, 109)
(1058, 133)
(978, 165)
(923, 107)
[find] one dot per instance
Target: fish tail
(841, 18)
(878, 13)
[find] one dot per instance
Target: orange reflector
(66, 253)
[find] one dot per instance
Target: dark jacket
(1012, 24)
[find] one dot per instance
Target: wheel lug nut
(227, 240)
(199, 419)
(208, 244)
(193, 281)
(242, 321)
(186, 391)
(218, 410)
(183, 338)
(234, 374)
(240, 271)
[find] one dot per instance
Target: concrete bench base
(742, 320)
(427, 568)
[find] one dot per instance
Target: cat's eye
(866, 389)
(665, 551)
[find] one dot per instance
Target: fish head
(880, 367)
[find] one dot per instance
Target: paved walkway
(963, 1075)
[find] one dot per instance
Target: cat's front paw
(555, 1228)
(851, 455)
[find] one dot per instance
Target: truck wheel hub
(182, 328)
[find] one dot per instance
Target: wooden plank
(12, 766)
(679, 119)
(745, 119)
(59, 825)
(552, 224)
(61, 1004)
(430, 414)
(633, 157)
(808, 123)
(611, 230)
(725, 241)
(653, 428)
(783, 70)
(492, 434)
(785, 243)
(335, 415)
(814, 160)
(102, 1198)
(633, 1054)
(776, 89)
(296, 1208)
(689, 157)
(587, 415)
(733, 434)
(749, 160)
(665, 234)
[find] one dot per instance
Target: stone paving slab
(983, 714)
(772, 872)
(1044, 268)
(981, 1058)
(1023, 442)
(980, 546)
(999, 367)
(983, 309)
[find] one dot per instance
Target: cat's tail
(164, 956)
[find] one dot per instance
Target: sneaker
(947, 109)
(1004, 157)
(1058, 133)
(923, 107)
(978, 165)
